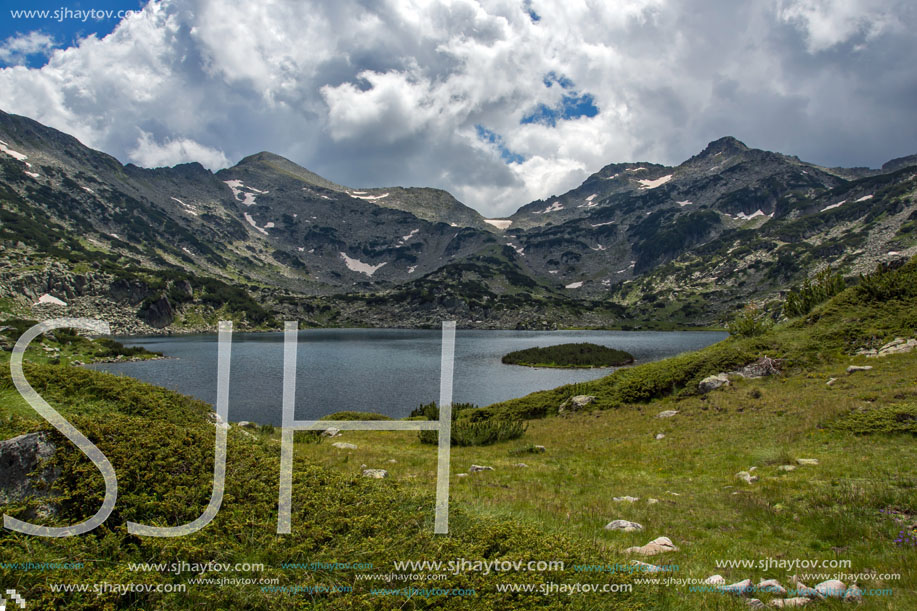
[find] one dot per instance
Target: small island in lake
(569, 355)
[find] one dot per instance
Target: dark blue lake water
(390, 371)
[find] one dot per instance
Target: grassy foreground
(850, 507)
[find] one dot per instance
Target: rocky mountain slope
(171, 248)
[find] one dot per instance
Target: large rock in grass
(575, 403)
(713, 382)
(658, 545)
(833, 588)
(624, 525)
(740, 588)
(786, 603)
(375, 473)
(20, 457)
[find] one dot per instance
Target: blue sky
(500, 102)
(64, 22)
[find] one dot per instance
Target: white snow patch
(864, 198)
(411, 269)
(748, 217)
(652, 184)
(311, 250)
(248, 197)
(186, 250)
(114, 235)
(405, 238)
(553, 271)
(602, 224)
(554, 207)
(17, 156)
(251, 221)
(684, 202)
(635, 169)
(32, 174)
(501, 224)
(892, 253)
(47, 298)
(369, 197)
(179, 201)
(833, 206)
(609, 177)
(269, 225)
(88, 190)
(574, 285)
(591, 197)
(606, 282)
(301, 249)
(597, 247)
(358, 192)
(325, 197)
(358, 266)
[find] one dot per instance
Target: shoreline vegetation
(569, 356)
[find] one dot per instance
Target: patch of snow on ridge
(864, 198)
(51, 299)
(554, 207)
(15, 155)
(88, 190)
(635, 169)
(251, 221)
(748, 217)
(369, 197)
(498, 223)
(405, 238)
(248, 197)
(652, 184)
(684, 202)
(355, 265)
(574, 285)
(833, 206)
(520, 250)
(602, 224)
(32, 174)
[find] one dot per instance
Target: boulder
(853, 594)
(713, 382)
(652, 501)
(539, 449)
(479, 468)
(19, 458)
(738, 588)
(576, 403)
(159, 313)
(898, 346)
(787, 468)
(626, 499)
(856, 368)
(832, 588)
(375, 473)
(658, 545)
(771, 586)
(785, 603)
(624, 525)
(331, 432)
(667, 413)
(765, 366)
(746, 477)
(340, 445)
(806, 461)
(660, 436)
(715, 580)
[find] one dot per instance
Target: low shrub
(483, 433)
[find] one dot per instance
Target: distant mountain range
(175, 248)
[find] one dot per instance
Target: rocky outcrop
(159, 313)
(20, 457)
(575, 403)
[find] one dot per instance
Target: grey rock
(786, 603)
(159, 314)
(667, 413)
(19, 458)
(807, 461)
(771, 586)
(754, 603)
(787, 467)
(520, 465)
(856, 368)
(738, 588)
(375, 473)
(479, 468)
(540, 449)
(344, 446)
(832, 588)
(623, 525)
(576, 403)
(658, 545)
(626, 499)
(715, 580)
(746, 477)
(713, 382)
(660, 436)
(853, 594)
(331, 432)
(765, 366)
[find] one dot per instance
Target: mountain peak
(272, 163)
(726, 145)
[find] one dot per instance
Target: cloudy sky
(498, 101)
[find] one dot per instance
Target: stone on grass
(764, 366)
(623, 525)
(539, 449)
(855, 368)
(652, 501)
(771, 586)
(19, 458)
(786, 468)
(340, 445)
(832, 588)
(738, 588)
(713, 382)
(715, 580)
(658, 545)
(806, 461)
(667, 413)
(461, 475)
(575, 403)
(853, 594)
(626, 499)
(660, 435)
(746, 477)
(831, 382)
(375, 473)
(785, 603)
(479, 468)
(331, 432)
(521, 465)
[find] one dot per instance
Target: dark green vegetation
(67, 345)
(467, 430)
(825, 285)
(583, 355)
